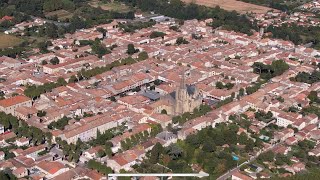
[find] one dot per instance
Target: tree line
(21, 128)
(305, 77)
(180, 10)
(297, 34)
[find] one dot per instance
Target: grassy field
(62, 14)
(9, 41)
(230, 5)
(112, 6)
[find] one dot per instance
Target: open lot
(62, 14)
(112, 6)
(240, 7)
(9, 41)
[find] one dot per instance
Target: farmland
(9, 41)
(230, 5)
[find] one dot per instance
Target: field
(240, 7)
(9, 41)
(112, 6)
(62, 14)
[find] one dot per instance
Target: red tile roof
(14, 100)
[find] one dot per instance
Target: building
(1, 129)
(10, 105)
(2, 154)
(20, 172)
(185, 99)
(22, 142)
(51, 169)
(239, 176)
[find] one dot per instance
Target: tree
(131, 50)
(249, 145)
(61, 81)
(313, 97)
(209, 147)
(143, 56)
(44, 62)
(72, 79)
(219, 85)
(267, 156)
(155, 153)
(41, 113)
(55, 61)
(174, 151)
(181, 40)
(103, 31)
(241, 92)
(156, 34)
(43, 47)
(163, 111)
(99, 49)
(101, 153)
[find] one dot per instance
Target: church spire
(182, 82)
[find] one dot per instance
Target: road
(252, 158)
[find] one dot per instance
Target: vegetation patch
(7, 41)
(59, 15)
(111, 6)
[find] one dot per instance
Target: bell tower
(181, 95)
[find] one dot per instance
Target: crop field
(9, 41)
(230, 5)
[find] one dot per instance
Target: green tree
(54, 61)
(155, 153)
(143, 56)
(131, 50)
(219, 85)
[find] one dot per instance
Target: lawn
(9, 41)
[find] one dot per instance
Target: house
(162, 119)
(239, 176)
(7, 135)
(22, 142)
(126, 159)
(167, 137)
(87, 128)
(51, 169)
(92, 153)
(2, 155)
(10, 105)
(33, 151)
(10, 62)
(1, 129)
(299, 167)
(283, 134)
(20, 172)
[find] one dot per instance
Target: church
(185, 99)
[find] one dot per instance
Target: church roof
(191, 89)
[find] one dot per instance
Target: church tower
(181, 96)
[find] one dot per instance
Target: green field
(9, 41)
(112, 6)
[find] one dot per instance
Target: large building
(185, 99)
(10, 105)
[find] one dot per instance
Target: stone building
(185, 99)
